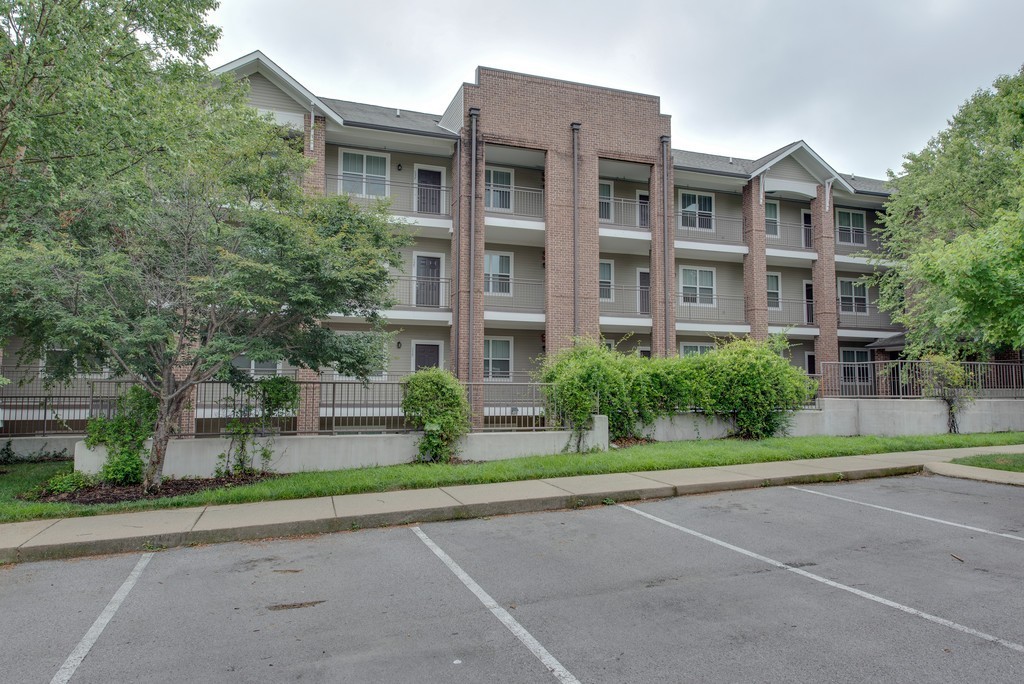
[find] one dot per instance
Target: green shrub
(7, 454)
(587, 379)
(125, 436)
(255, 408)
(65, 483)
(434, 401)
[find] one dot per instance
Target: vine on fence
(124, 435)
(256, 407)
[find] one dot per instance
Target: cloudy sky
(863, 82)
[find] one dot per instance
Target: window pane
(500, 349)
(707, 278)
(351, 163)
(857, 220)
(264, 367)
(705, 203)
(771, 211)
(376, 166)
(604, 190)
(505, 264)
(604, 271)
(241, 363)
(773, 283)
(689, 276)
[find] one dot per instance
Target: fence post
(307, 421)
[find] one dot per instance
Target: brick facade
(315, 180)
(826, 346)
(308, 417)
(755, 265)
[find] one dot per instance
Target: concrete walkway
(148, 530)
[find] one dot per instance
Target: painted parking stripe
(912, 515)
(836, 585)
(67, 670)
(549, 661)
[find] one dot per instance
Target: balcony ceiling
(522, 157)
(388, 141)
(707, 181)
(613, 169)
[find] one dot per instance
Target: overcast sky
(862, 81)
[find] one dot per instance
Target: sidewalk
(148, 530)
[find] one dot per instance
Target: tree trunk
(168, 416)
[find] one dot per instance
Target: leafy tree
(953, 230)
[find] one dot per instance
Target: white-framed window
(364, 173)
(853, 296)
(645, 352)
(774, 286)
(91, 368)
(426, 354)
(498, 273)
(693, 348)
(605, 203)
(606, 280)
(856, 366)
(497, 358)
(697, 285)
(498, 188)
(696, 210)
(771, 218)
(851, 226)
(255, 368)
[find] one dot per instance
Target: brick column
(315, 180)
(307, 422)
(826, 346)
(755, 266)
(884, 374)
(187, 420)
(662, 297)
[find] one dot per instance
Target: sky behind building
(863, 83)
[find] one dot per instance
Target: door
(808, 231)
(426, 355)
(643, 292)
(428, 191)
(428, 281)
(643, 209)
(808, 302)
(812, 363)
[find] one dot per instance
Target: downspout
(312, 125)
(669, 247)
(456, 263)
(575, 228)
(474, 114)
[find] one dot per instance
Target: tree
(952, 232)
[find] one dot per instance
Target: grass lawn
(660, 456)
(1012, 462)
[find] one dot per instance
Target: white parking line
(818, 578)
(912, 515)
(67, 670)
(549, 661)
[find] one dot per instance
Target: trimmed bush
(434, 401)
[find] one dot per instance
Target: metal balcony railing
(417, 292)
(622, 300)
(503, 294)
(513, 200)
(404, 198)
(854, 242)
(857, 314)
(624, 213)
(780, 234)
(699, 227)
(790, 311)
(709, 309)
(919, 380)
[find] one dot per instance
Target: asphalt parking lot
(903, 579)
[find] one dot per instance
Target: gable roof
(386, 118)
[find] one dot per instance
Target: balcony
(851, 242)
(858, 315)
(615, 212)
(622, 300)
(513, 201)
(782, 235)
(413, 199)
(413, 292)
(709, 309)
(701, 227)
(790, 312)
(502, 294)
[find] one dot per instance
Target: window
(498, 189)
(497, 358)
(497, 273)
(690, 348)
(256, 368)
(856, 366)
(606, 280)
(697, 285)
(697, 210)
(605, 209)
(364, 174)
(774, 291)
(851, 227)
(853, 297)
(58, 359)
(771, 219)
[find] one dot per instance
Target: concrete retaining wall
(198, 457)
(26, 447)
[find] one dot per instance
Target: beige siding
(626, 265)
(792, 281)
(628, 343)
(527, 262)
(428, 246)
(728, 205)
(792, 212)
(332, 164)
(797, 352)
(791, 169)
(526, 349)
(265, 95)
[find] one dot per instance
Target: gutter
(474, 115)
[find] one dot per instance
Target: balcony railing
(405, 198)
(849, 242)
(698, 227)
(513, 200)
(790, 312)
(709, 309)
(863, 316)
(622, 300)
(918, 379)
(513, 294)
(416, 292)
(784, 235)
(624, 213)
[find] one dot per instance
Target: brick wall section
(468, 334)
(308, 419)
(663, 281)
(315, 180)
(187, 421)
(826, 346)
(883, 384)
(755, 289)
(536, 113)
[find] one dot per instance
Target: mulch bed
(103, 493)
(623, 442)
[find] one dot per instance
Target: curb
(965, 472)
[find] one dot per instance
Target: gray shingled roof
(868, 185)
(373, 116)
